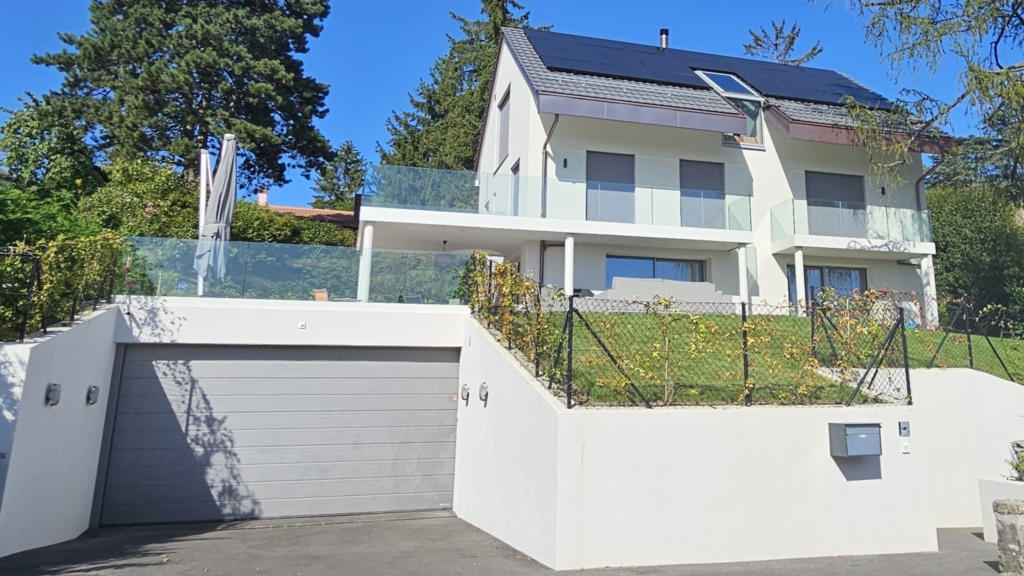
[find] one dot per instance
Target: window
(610, 187)
(745, 99)
(835, 205)
(664, 269)
(846, 282)
(701, 194)
(503, 125)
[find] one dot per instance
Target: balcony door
(702, 194)
(845, 282)
(835, 205)
(611, 187)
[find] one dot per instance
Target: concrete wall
(288, 323)
(619, 487)
(735, 484)
(48, 492)
(506, 456)
(967, 419)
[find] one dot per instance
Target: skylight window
(728, 84)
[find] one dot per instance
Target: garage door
(214, 433)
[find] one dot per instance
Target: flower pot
(992, 489)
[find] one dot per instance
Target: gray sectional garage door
(215, 432)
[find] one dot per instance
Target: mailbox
(853, 440)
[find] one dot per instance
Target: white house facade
(724, 193)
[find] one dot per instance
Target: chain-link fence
(600, 352)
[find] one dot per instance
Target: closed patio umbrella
(211, 251)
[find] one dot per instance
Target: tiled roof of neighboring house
(601, 88)
(339, 217)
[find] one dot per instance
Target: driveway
(423, 544)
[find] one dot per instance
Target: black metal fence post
(749, 396)
(970, 344)
(814, 345)
(568, 353)
(906, 355)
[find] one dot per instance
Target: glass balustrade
(849, 220)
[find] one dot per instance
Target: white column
(570, 248)
(365, 263)
(801, 288)
(930, 303)
(741, 255)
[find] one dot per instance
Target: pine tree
(340, 180)
(778, 45)
(164, 78)
(443, 125)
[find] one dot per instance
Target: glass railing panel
(424, 189)
(611, 202)
(737, 210)
(416, 277)
(165, 267)
(782, 220)
(702, 209)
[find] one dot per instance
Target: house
(341, 218)
(734, 179)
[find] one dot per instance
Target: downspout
(920, 181)
(544, 170)
(543, 249)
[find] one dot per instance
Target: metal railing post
(568, 353)
(749, 396)
(970, 344)
(811, 311)
(906, 354)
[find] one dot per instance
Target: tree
(778, 45)
(983, 39)
(443, 126)
(979, 247)
(164, 78)
(340, 179)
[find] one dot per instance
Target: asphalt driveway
(400, 545)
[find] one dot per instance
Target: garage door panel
(143, 514)
(183, 372)
(255, 492)
(221, 405)
(209, 433)
(288, 455)
(309, 420)
(288, 386)
(283, 472)
(293, 437)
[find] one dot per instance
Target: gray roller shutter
(215, 432)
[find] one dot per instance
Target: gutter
(544, 168)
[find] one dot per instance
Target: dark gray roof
(652, 94)
(614, 89)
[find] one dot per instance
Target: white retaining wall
(586, 488)
(48, 492)
(967, 420)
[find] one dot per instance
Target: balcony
(535, 202)
(826, 227)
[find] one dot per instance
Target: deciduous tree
(778, 45)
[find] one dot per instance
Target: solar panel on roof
(580, 54)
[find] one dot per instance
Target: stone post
(1010, 528)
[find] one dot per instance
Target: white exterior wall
(621, 487)
(967, 420)
(506, 458)
(48, 492)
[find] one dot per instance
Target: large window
(662, 268)
(846, 282)
(504, 122)
(702, 194)
(611, 187)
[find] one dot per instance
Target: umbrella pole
(204, 174)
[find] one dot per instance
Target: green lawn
(703, 364)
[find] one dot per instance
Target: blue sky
(373, 53)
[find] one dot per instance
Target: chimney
(261, 197)
(664, 38)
